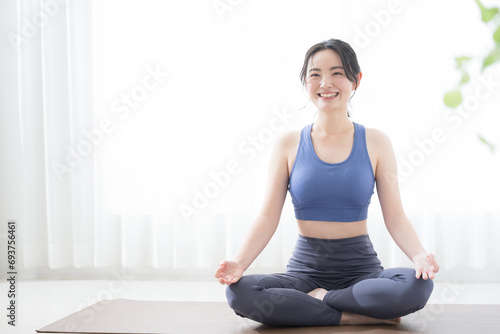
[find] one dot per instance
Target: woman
(330, 168)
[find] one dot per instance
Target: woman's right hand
(229, 272)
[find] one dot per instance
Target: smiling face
(326, 81)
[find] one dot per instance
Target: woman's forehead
(326, 58)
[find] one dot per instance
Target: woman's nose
(326, 81)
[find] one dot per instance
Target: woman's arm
(398, 225)
(267, 220)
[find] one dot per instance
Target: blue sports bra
(324, 191)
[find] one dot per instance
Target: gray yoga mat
(123, 316)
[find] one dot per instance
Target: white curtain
(137, 135)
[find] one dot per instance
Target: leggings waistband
(328, 256)
(355, 239)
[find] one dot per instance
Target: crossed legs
(296, 300)
(280, 300)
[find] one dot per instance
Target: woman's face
(326, 82)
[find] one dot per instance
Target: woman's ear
(354, 85)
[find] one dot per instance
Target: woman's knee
(240, 293)
(414, 291)
(419, 289)
(426, 287)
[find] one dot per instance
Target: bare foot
(358, 319)
(318, 293)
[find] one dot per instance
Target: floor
(41, 302)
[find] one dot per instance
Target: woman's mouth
(328, 96)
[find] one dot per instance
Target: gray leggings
(347, 268)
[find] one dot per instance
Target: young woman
(330, 168)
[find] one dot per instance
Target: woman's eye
(314, 74)
(337, 73)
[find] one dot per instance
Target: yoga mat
(124, 316)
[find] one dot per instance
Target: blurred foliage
(453, 98)
(487, 143)
(487, 13)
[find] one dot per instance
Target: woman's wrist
(241, 262)
(418, 254)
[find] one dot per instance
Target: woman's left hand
(425, 265)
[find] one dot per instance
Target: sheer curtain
(52, 44)
(139, 135)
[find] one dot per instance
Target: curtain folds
(141, 146)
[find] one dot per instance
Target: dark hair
(345, 52)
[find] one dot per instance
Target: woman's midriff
(331, 230)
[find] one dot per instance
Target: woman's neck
(332, 123)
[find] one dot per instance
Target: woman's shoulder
(288, 138)
(286, 144)
(377, 137)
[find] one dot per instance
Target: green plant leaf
(460, 61)
(496, 35)
(453, 98)
(487, 13)
(491, 58)
(487, 143)
(465, 79)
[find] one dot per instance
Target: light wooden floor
(41, 302)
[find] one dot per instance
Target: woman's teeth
(328, 95)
